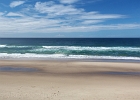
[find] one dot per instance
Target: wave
(79, 48)
(13, 46)
(92, 48)
(2, 46)
(62, 56)
(69, 51)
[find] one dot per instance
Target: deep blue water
(79, 48)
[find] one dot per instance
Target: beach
(68, 80)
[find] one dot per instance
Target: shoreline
(71, 59)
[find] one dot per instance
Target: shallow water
(16, 69)
(123, 73)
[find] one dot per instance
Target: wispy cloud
(52, 17)
(96, 15)
(16, 3)
(89, 22)
(28, 24)
(71, 15)
(68, 1)
(56, 9)
(12, 14)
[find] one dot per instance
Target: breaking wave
(77, 52)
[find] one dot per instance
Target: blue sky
(69, 18)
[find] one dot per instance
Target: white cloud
(12, 14)
(45, 25)
(16, 3)
(68, 1)
(60, 9)
(101, 16)
(56, 9)
(88, 22)
(50, 17)
(71, 15)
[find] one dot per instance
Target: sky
(70, 18)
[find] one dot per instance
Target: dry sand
(69, 80)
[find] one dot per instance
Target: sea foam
(62, 56)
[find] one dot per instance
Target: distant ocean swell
(77, 52)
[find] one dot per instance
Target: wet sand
(69, 80)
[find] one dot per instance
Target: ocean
(70, 48)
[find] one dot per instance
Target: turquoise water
(78, 48)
